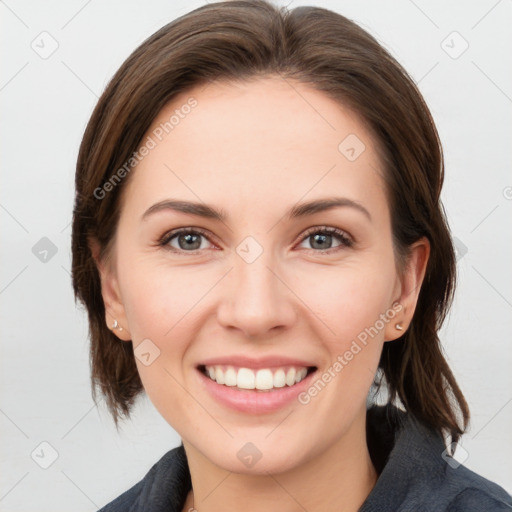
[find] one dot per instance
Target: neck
(339, 478)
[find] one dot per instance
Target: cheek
(159, 298)
(348, 303)
(348, 300)
(161, 304)
(352, 303)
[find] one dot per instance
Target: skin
(239, 151)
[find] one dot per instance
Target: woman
(260, 244)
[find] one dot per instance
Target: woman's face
(264, 288)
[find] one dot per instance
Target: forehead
(256, 142)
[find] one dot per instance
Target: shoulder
(416, 473)
(474, 500)
(124, 501)
(163, 488)
(452, 486)
(474, 493)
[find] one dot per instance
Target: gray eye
(321, 241)
(187, 241)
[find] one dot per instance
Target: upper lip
(242, 361)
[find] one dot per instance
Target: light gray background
(45, 104)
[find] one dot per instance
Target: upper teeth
(265, 378)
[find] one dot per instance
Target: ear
(408, 289)
(114, 309)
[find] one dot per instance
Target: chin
(257, 458)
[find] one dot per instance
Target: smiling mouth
(261, 380)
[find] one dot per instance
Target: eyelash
(343, 238)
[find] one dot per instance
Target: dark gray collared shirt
(416, 474)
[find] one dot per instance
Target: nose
(256, 298)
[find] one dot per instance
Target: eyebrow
(297, 211)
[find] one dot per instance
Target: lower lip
(253, 401)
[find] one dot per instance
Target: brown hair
(240, 40)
